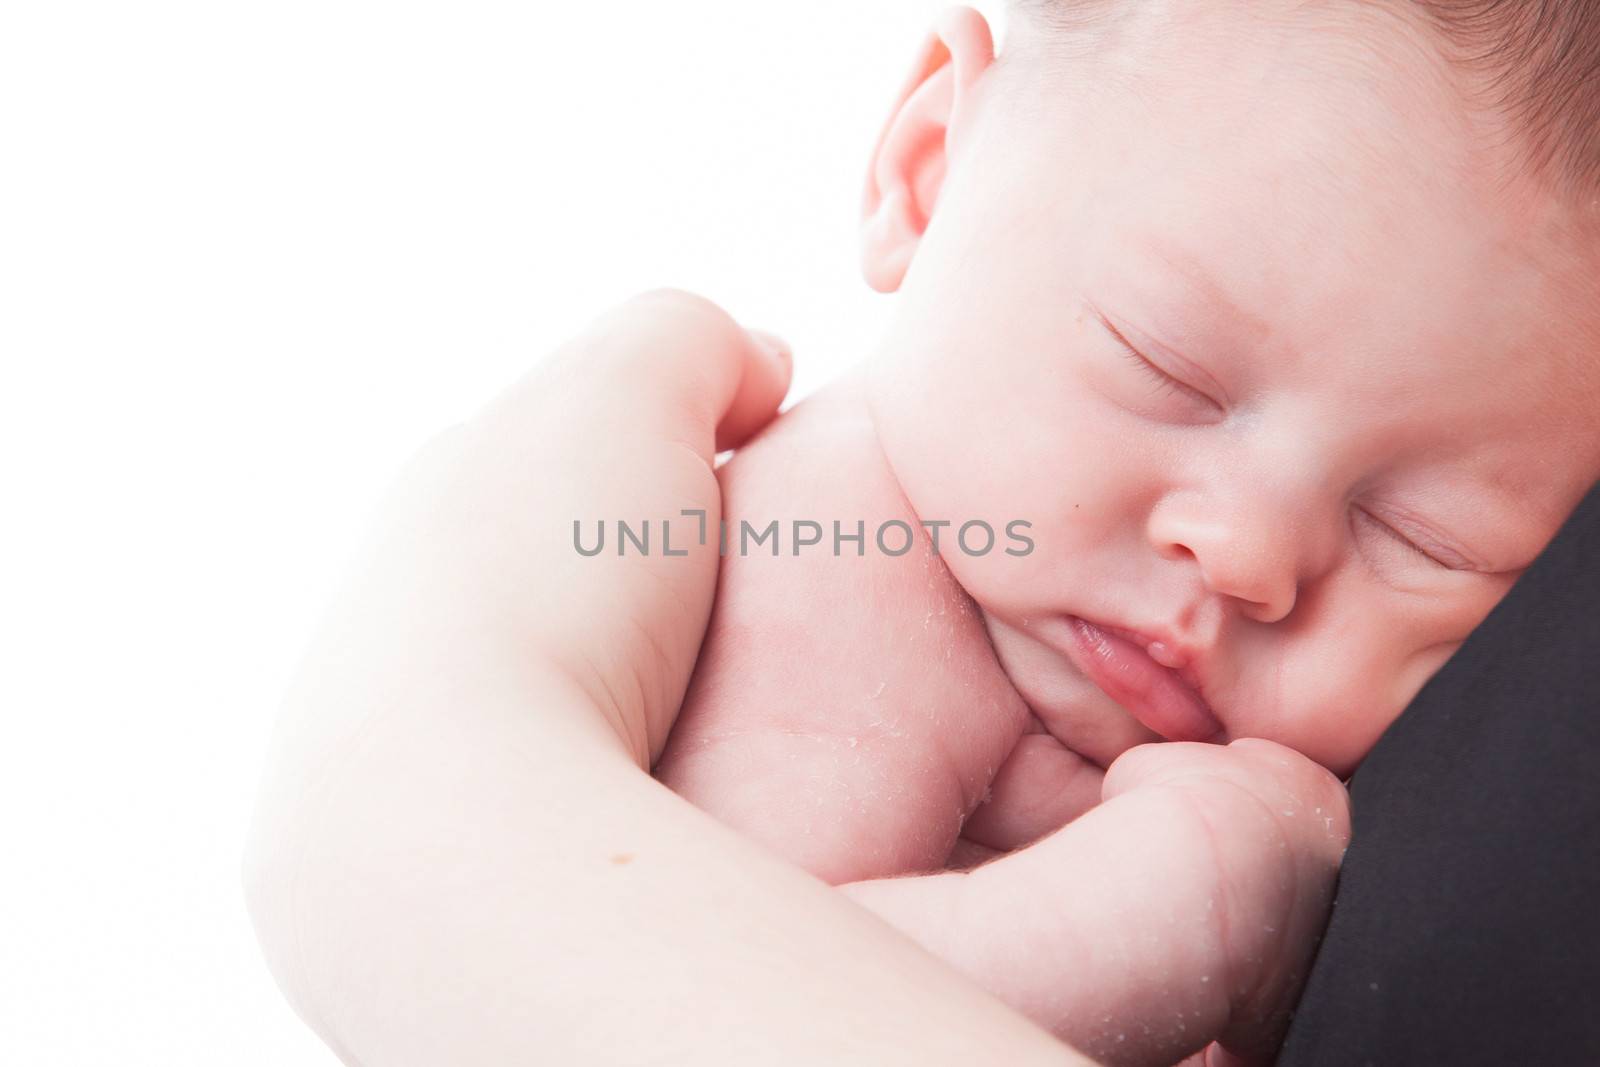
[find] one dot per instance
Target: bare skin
(1377, 380)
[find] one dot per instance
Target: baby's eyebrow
(1519, 509)
(1254, 328)
(1499, 522)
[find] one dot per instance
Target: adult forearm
(462, 876)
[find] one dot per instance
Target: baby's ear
(908, 163)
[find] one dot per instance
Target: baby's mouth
(1156, 695)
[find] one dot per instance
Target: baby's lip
(1168, 651)
(1116, 660)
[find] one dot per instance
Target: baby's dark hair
(1537, 62)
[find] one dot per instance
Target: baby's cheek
(1401, 646)
(1332, 699)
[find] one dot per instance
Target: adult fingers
(579, 509)
(666, 364)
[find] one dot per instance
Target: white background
(250, 257)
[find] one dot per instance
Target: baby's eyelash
(1404, 540)
(1164, 381)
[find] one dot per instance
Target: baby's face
(1273, 366)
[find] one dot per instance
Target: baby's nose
(1255, 554)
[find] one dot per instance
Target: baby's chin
(1068, 706)
(1079, 714)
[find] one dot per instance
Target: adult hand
(458, 855)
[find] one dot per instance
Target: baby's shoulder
(822, 451)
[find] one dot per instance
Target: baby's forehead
(1439, 329)
(1375, 90)
(1362, 88)
(1319, 164)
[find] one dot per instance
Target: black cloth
(1466, 928)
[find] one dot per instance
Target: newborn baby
(1260, 337)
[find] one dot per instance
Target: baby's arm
(846, 710)
(1184, 909)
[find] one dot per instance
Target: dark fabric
(1466, 929)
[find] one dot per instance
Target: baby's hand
(1184, 909)
(1277, 826)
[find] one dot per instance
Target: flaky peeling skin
(846, 711)
(1183, 909)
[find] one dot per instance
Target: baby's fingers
(1288, 783)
